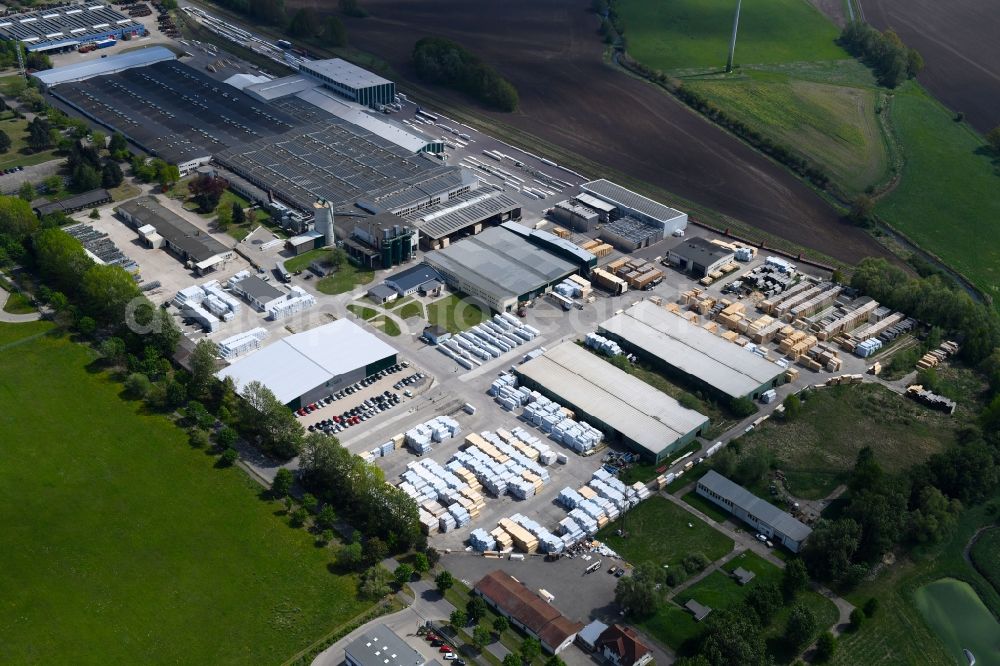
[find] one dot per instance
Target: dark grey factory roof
(459, 212)
(381, 292)
(341, 163)
(174, 111)
(259, 290)
(77, 202)
(343, 72)
(616, 194)
(764, 511)
(198, 244)
(69, 23)
(701, 250)
(380, 646)
(501, 263)
(412, 277)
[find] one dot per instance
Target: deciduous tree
(444, 581)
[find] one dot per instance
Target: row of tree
(933, 300)
(890, 511)
(891, 60)
(442, 61)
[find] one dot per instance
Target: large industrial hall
(628, 409)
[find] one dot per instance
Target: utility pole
(732, 42)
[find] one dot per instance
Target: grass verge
(361, 311)
(345, 279)
(18, 303)
(455, 313)
(387, 324)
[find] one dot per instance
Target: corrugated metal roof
(620, 196)
(81, 71)
(584, 381)
(764, 511)
(692, 349)
(459, 212)
(343, 72)
(299, 363)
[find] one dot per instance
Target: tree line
(934, 300)
(891, 60)
(780, 152)
(305, 23)
(444, 62)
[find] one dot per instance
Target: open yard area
(681, 34)
(455, 313)
(347, 277)
(125, 545)
(819, 448)
(946, 201)
(658, 531)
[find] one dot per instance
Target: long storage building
(304, 367)
(625, 408)
(703, 358)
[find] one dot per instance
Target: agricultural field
(946, 200)
(833, 125)
(818, 449)
(898, 634)
(684, 34)
(661, 532)
(127, 538)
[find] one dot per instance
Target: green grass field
(710, 509)
(898, 633)
(362, 311)
(409, 309)
(829, 124)
(18, 303)
(388, 325)
(301, 262)
(345, 279)
(819, 448)
(18, 154)
(124, 545)
(678, 34)
(986, 556)
(675, 626)
(947, 199)
(455, 314)
(658, 531)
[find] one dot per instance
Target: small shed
(700, 612)
(382, 294)
(743, 576)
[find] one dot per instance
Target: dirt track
(961, 49)
(570, 97)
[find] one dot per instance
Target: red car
(431, 637)
(444, 649)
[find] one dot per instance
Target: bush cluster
(445, 62)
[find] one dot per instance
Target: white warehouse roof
(690, 348)
(81, 71)
(343, 72)
(582, 380)
(299, 363)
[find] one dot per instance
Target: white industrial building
(304, 367)
(670, 341)
(631, 204)
(350, 81)
(380, 646)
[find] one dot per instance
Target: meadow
(122, 544)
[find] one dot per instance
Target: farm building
(527, 611)
(500, 267)
(304, 367)
(350, 81)
(66, 28)
(631, 204)
(700, 256)
(763, 516)
(671, 342)
(161, 227)
(380, 646)
(625, 408)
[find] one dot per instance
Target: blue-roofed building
(67, 28)
(409, 281)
